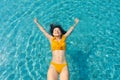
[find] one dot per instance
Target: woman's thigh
(64, 75)
(52, 74)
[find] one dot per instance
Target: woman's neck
(57, 37)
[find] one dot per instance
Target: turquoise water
(93, 49)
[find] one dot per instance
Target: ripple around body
(92, 49)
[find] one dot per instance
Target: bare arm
(72, 27)
(42, 29)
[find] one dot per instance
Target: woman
(58, 65)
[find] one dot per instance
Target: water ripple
(24, 51)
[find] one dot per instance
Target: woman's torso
(58, 50)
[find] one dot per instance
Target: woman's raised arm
(42, 29)
(72, 27)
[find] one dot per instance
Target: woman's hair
(52, 27)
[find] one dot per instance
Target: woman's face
(56, 32)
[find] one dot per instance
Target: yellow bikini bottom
(59, 67)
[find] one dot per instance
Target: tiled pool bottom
(92, 49)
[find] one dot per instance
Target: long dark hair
(53, 26)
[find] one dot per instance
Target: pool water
(93, 49)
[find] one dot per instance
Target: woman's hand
(76, 20)
(36, 20)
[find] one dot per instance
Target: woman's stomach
(58, 56)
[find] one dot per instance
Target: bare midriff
(58, 56)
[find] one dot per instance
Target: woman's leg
(64, 75)
(52, 74)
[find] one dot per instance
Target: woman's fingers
(76, 20)
(35, 20)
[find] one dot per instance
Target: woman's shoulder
(63, 37)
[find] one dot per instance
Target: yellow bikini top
(58, 45)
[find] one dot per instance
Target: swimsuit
(58, 45)
(58, 67)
